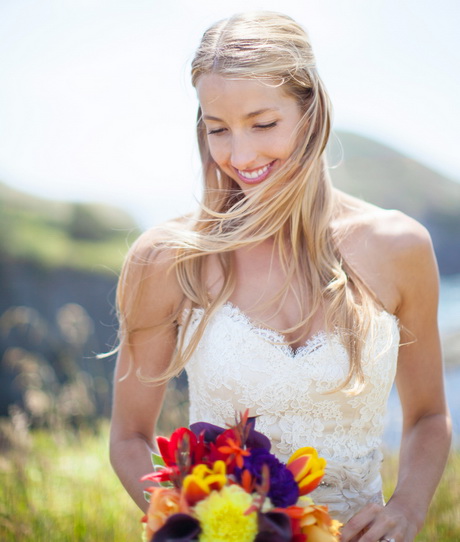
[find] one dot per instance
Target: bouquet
(219, 484)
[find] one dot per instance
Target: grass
(59, 487)
(62, 488)
(443, 520)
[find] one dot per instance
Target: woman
(284, 295)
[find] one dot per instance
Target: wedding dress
(238, 365)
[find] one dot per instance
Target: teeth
(254, 174)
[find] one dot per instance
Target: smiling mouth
(255, 175)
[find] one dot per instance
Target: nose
(243, 153)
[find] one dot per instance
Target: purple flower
(178, 528)
(211, 432)
(274, 527)
(284, 490)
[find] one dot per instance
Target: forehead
(240, 97)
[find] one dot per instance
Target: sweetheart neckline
(312, 343)
(316, 341)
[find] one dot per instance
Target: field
(59, 487)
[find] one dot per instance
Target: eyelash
(259, 126)
(265, 126)
(214, 132)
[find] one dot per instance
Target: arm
(426, 423)
(150, 294)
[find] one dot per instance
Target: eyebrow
(248, 116)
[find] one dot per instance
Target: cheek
(217, 151)
(286, 147)
(276, 146)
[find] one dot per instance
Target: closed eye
(265, 126)
(216, 131)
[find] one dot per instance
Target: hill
(59, 264)
(52, 234)
(385, 177)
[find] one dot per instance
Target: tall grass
(443, 520)
(59, 487)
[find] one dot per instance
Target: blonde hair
(275, 50)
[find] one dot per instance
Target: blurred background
(97, 143)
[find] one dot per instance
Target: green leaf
(166, 484)
(157, 460)
(158, 463)
(147, 496)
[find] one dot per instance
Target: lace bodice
(237, 365)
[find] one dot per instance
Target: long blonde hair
(275, 50)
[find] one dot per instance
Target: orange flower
(317, 524)
(234, 452)
(307, 468)
(163, 503)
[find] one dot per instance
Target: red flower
(180, 454)
(164, 474)
(233, 452)
(182, 441)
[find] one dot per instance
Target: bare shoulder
(391, 251)
(389, 226)
(148, 282)
(158, 244)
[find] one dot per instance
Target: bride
(284, 295)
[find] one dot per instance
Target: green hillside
(387, 178)
(384, 176)
(53, 234)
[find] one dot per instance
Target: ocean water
(449, 305)
(392, 435)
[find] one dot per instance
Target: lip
(258, 179)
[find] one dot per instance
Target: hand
(376, 522)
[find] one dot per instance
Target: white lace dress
(238, 365)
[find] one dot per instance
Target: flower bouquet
(219, 484)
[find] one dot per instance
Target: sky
(96, 103)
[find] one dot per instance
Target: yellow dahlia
(222, 519)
